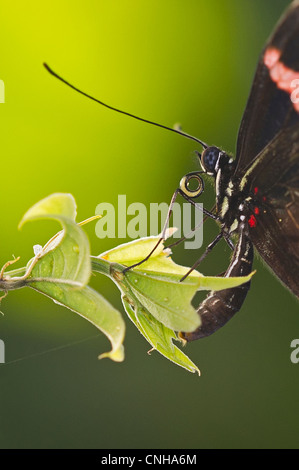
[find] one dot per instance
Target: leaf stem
(100, 265)
(15, 272)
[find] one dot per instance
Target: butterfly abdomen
(219, 307)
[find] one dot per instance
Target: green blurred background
(190, 62)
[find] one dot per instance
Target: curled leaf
(62, 268)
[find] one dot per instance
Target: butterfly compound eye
(209, 159)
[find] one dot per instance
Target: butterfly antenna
(177, 131)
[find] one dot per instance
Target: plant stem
(100, 265)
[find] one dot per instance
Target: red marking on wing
(256, 189)
(256, 210)
(252, 221)
(282, 75)
(271, 57)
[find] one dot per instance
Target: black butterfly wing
(276, 206)
(268, 152)
(269, 108)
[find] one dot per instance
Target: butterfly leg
(229, 242)
(175, 194)
(207, 250)
(188, 194)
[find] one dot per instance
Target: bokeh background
(190, 62)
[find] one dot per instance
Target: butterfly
(257, 193)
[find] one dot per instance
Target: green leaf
(161, 262)
(159, 336)
(57, 203)
(93, 307)
(156, 282)
(153, 296)
(66, 257)
(168, 300)
(62, 268)
(220, 283)
(133, 251)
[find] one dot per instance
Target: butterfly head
(212, 159)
